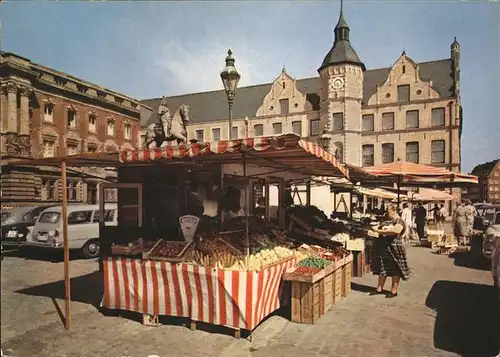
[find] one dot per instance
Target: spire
(342, 29)
(341, 51)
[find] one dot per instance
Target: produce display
(168, 250)
(132, 248)
(314, 262)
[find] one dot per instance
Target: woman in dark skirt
(389, 255)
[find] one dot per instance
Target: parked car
(491, 247)
(485, 215)
(83, 228)
(17, 224)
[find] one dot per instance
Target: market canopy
(428, 194)
(287, 151)
(379, 193)
(408, 172)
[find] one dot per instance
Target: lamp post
(246, 127)
(324, 141)
(230, 78)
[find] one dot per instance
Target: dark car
(485, 215)
(17, 223)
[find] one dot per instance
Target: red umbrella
(409, 172)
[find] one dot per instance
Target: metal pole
(67, 282)
(230, 103)
(247, 238)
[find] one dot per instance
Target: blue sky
(148, 49)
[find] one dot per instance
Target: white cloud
(187, 70)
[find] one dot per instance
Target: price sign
(188, 226)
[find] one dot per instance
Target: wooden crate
(307, 301)
(359, 263)
(337, 285)
(346, 279)
(329, 298)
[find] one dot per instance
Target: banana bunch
(300, 255)
(225, 259)
(205, 260)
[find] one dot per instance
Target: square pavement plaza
(447, 308)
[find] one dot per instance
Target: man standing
(420, 217)
(408, 220)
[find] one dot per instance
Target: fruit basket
(168, 251)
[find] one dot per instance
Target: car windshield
(497, 219)
(50, 217)
(489, 213)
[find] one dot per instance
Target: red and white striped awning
(288, 151)
(411, 172)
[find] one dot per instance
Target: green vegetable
(313, 262)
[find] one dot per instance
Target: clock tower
(341, 75)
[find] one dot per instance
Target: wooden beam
(67, 281)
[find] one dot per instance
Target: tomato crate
(307, 301)
(346, 278)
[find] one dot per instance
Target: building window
(91, 193)
(92, 123)
(368, 155)
(71, 191)
(339, 151)
(387, 153)
(412, 152)
(199, 135)
(412, 119)
(284, 106)
(277, 128)
(315, 128)
(297, 128)
(216, 134)
(48, 113)
(111, 127)
(71, 119)
(404, 93)
(128, 131)
(234, 132)
(368, 124)
(18, 100)
(71, 150)
(48, 190)
(388, 121)
(49, 148)
(258, 129)
(437, 149)
(92, 148)
(438, 117)
(338, 121)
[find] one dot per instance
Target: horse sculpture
(168, 128)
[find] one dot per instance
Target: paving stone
(439, 312)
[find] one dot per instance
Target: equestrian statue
(168, 128)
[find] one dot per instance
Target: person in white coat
(407, 218)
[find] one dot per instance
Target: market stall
(229, 270)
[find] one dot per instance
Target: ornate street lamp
(230, 78)
(324, 141)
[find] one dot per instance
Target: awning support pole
(67, 281)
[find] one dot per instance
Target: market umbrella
(428, 194)
(408, 172)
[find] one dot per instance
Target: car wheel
(91, 249)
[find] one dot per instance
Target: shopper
(407, 218)
(442, 214)
(420, 218)
(389, 255)
(435, 213)
(462, 222)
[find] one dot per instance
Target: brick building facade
(488, 189)
(46, 113)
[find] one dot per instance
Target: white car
(83, 228)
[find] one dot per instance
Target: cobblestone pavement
(445, 309)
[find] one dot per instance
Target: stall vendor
(389, 255)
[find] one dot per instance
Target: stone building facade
(488, 189)
(47, 113)
(409, 111)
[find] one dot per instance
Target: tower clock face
(338, 83)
